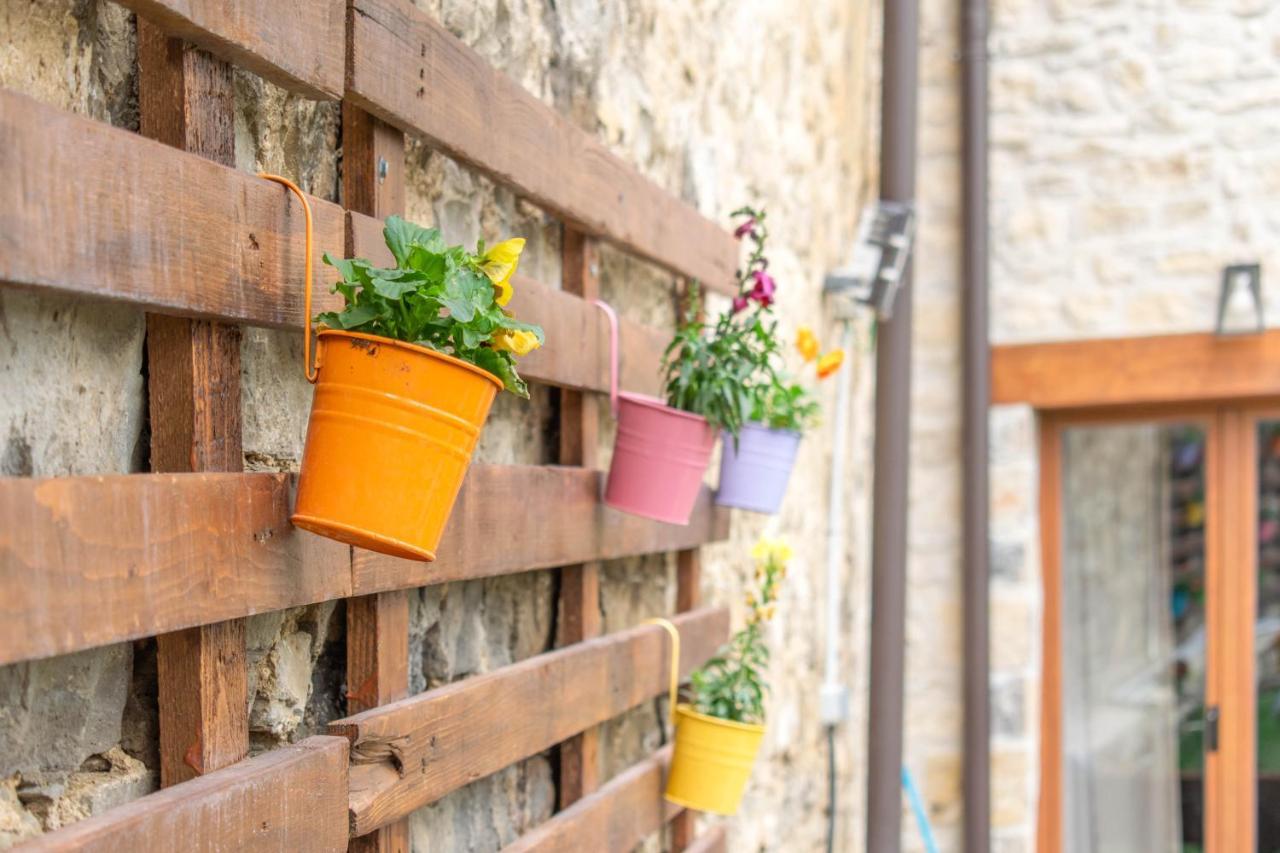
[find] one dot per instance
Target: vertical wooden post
(377, 625)
(688, 596)
(580, 584)
(186, 100)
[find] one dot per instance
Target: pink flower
(764, 288)
(739, 302)
(748, 227)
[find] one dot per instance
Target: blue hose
(917, 808)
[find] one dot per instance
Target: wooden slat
(86, 561)
(292, 798)
(498, 527)
(186, 99)
(577, 352)
(619, 816)
(1122, 371)
(411, 753)
(377, 624)
(294, 44)
(411, 72)
(580, 617)
(97, 211)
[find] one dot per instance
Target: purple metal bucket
(754, 476)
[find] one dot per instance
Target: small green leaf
(402, 236)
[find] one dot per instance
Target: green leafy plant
(731, 685)
(441, 297)
(788, 403)
(721, 372)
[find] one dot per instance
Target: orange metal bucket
(392, 429)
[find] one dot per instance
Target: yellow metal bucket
(711, 762)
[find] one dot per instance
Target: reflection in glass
(1268, 637)
(1133, 560)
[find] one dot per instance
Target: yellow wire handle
(666, 625)
(312, 369)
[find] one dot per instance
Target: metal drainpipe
(893, 428)
(976, 763)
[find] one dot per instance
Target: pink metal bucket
(659, 458)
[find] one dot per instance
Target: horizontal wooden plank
(94, 210)
(292, 798)
(297, 44)
(412, 752)
(516, 518)
(1123, 371)
(86, 561)
(577, 352)
(91, 560)
(412, 73)
(619, 816)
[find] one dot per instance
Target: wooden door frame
(1227, 383)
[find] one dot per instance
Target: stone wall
(721, 104)
(1131, 159)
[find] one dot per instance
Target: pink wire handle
(613, 352)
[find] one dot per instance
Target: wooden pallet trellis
(187, 553)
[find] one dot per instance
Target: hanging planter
(711, 761)
(712, 375)
(718, 733)
(390, 438)
(755, 469)
(395, 417)
(659, 459)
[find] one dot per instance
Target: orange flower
(830, 363)
(807, 343)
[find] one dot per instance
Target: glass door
(1266, 632)
(1134, 659)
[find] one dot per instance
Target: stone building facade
(1132, 157)
(721, 104)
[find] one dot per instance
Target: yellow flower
(768, 613)
(830, 363)
(807, 343)
(772, 549)
(499, 263)
(515, 341)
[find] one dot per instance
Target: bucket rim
(656, 403)
(686, 710)
(417, 350)
(757, 426)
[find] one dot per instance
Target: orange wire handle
(312, 369)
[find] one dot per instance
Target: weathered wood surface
(501, 525)
(1185, 368)
(377, 624)
(97, 211)
(412, 752)
(580, 616)
(619, 816)
(297, 44)
(292, 798)
(91, 560)
(411, 72)
(186, 99)
(86, 561)
(577, 352)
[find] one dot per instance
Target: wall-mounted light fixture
(880, 256)
(1240, 300)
